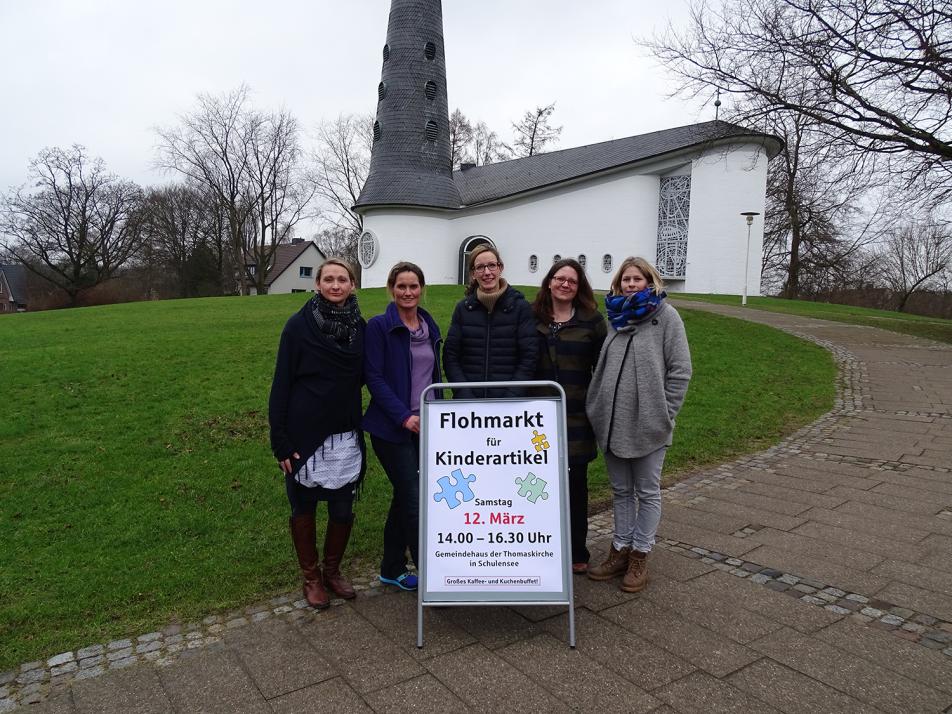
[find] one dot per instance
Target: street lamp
(749, 215)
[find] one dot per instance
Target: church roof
(492, 182)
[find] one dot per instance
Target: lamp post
(749, 215)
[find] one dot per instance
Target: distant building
(672, 196)
(12, 288)
(293, 267)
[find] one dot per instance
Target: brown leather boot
(335, 542)
(615, 564)
(304, 537)
(636, 579)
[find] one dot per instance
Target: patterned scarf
(624, 310)
(339, 322)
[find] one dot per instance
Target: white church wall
(419, 236)
(725, 182)
(615, 215)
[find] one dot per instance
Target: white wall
(417, 235)
(615, 215)
(291, 279)
(725, 182)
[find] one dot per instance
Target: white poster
(493, 500)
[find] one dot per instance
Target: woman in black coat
(315, 414)
(492, 332)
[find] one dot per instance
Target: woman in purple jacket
(401, 357)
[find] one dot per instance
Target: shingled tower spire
(410, 161)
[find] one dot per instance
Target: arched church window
(368, 248)
(386, 52)
(429, 50)
(533, 263)
(381, 91)
(606, 263)
(431, 130)
(376, 131)
(582, 260)
(429, 89)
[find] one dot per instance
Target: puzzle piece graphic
(532, 487)
(539, 441)
(455, 488)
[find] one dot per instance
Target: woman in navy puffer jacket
(492, 333)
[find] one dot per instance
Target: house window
(299, 290)
(305, 271)
(582, 260)
(251, 267)
(673, 210)
(606, 263)
(368, 248)
(533, 263)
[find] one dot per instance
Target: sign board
(494, 510)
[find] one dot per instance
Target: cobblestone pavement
(814, 576)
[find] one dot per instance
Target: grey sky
(103, 73)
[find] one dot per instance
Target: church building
(673, 196)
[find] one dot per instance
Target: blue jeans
(636, 499)
(401, 462)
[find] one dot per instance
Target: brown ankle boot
(636, 579)
(304, 537)
(335, 542)
(615, 564)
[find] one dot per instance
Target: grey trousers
(636, 498)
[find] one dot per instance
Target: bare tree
(874, 75)
(337, 242)
(915, 257)
(341, 164)
(184, 239)
(486, 147)
(461, 135)
(79, 226)
(534, 132)
(279, 191)
(247, 160)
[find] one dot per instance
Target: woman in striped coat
(571, 332)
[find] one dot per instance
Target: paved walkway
(816, 576)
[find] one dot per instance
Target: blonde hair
(342, 263)
(644, 267)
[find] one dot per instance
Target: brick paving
(814, 576)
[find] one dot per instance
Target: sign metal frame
(496, 598)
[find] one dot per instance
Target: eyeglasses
(491, 267)
(571, 282)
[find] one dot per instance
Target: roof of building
(492, 182)
(16, 279)
(287, 253)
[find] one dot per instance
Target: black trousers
(578, 511)
(401, 462)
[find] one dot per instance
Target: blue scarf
(623, 310)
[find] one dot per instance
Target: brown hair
(646, 269)
(477, 251)
(542, 307)
(342, 263)
(404, 266)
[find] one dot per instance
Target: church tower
(410, 160)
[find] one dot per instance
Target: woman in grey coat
(637, 390)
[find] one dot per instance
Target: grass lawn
(933, 328)
(136, 484)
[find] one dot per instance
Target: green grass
(136, 484)
(932, 328)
